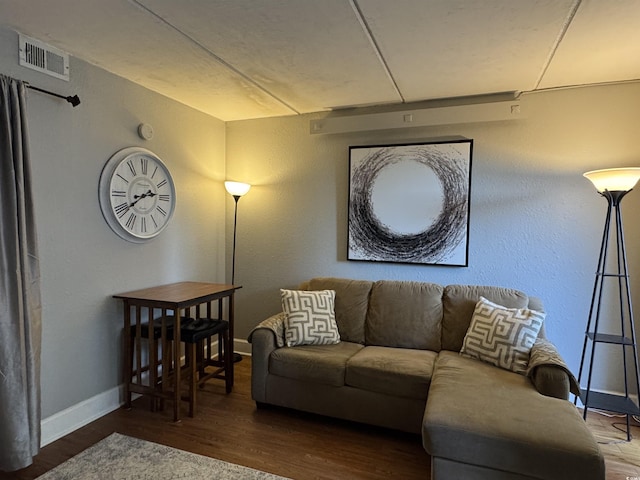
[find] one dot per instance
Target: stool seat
(194, 331)
(157, 326)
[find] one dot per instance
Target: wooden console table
(175, 300)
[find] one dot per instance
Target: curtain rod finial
(74, 101)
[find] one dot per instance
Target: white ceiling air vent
(43, 58)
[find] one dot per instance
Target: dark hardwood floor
(229, 427)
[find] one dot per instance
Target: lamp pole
(235, 223)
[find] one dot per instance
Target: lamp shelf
(607, 338)
(609, 402)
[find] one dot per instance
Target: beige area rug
(119, 457)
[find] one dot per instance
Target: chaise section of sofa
(485, 423)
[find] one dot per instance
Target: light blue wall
(83, 263)
(535, 221)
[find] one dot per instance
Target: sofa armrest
(551, 381)
(264, 339)
(275, 323)
(549, 373)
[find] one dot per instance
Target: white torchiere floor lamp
(237, 190)
(613, 184)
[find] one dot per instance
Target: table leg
(138, 345)
(190, 352)
(127, 367)
(176, 363)
(231, 356)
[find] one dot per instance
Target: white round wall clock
(137, 194)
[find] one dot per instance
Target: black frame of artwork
(426, 186)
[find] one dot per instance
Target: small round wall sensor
(145, 131)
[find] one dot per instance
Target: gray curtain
(20, 321)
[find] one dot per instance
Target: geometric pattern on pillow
(502, 336)
(309, 317)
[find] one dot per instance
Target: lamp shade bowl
(237, 189)
(614, 179)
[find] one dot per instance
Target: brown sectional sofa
(397, 366)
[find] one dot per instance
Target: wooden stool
(142, 331)
(193, 334)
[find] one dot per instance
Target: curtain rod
(74, 101)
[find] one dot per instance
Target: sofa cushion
(459, 302)
(352, 301)
(502, 336)
(314, 363)
(309, 317)
(481, 415)
(405, 315)
(400, 372)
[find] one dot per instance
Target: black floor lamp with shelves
(612, 275)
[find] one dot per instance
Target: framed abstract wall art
(410, 203)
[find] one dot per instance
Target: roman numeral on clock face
(131, 221)
(163, 197)
(162, 183)
(144, 164)
(118, 193)
(121, 209)
(132, 167)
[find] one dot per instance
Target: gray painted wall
(536, 222)
(82, 261)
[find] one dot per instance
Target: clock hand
(140, 197)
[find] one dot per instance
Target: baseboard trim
(242, 347)
(77, 416)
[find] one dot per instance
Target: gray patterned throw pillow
(502, 336)
(309, 317)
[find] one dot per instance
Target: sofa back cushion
(352, 300)
(459, 302)
(405, 315)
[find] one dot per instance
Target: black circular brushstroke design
(375, 240)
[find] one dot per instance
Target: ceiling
(240, 59)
